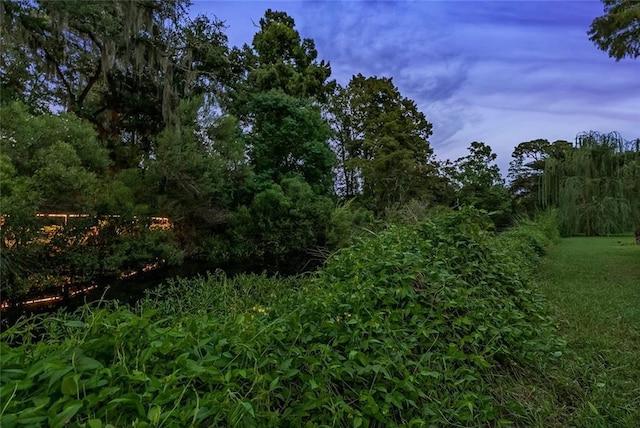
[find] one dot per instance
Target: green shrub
(409, 327)
(347, 222)
(276, 230)
(530, 239)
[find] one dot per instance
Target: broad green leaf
(69, 385)
(94, 423)
(68, 412)
(249, 408)
(154, 414)
(85, 363)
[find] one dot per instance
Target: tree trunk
(638, 235)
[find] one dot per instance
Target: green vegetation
(423, 313)
(381, 139)
(477, 182)
(412, 326)
(54, 163)
(593, 290)
(526, 170)
(616, 32)
(261, 161)
(605, 335)
(596, 185)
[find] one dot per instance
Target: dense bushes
(55, 164)
(531, 238)
(409, 327)
(277, 228)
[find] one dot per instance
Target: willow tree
(596, 187)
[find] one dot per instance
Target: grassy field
(593, 287)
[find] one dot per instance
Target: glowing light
(147, 268)
(125, 275)
(43, 300)
(156, 222)
(49, 231)
(83, 290)
(30, 302)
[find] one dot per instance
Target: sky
(500, 72)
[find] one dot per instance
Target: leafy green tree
(278, 228)
(479, 184)
(132, 106)
(381, 139)
(59, 153)
(195, 171)
(275, 88)
(55, 163)
(347, 126)
(617, 32)
(62, 181)
(18, 227)
(596, 187)
(50, 163)
(278, 59)
(527, 167)
(289, 137)
(76, 42)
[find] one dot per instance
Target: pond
(127, 291)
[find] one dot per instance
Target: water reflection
(127, 290)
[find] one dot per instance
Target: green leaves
(616, 31)
(278, 60)
(381, 139)
(279, 226)
(65, 416)
(478, 183)
(289, 137)
(596, 185)
(407, 327)
(69, 385)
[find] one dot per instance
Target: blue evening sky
(501, 72)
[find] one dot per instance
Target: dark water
(127, 291)
(130, 290)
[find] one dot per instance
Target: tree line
(259, 158)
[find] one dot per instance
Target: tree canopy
(131, 109)
(617, 32)
(278, 59)
(478, 183)
(527, 167)
(122, 65)
(595, 186)
(381, 138)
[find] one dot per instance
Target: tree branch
(60, 75)
(90, 83)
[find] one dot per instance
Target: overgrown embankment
(413, 326)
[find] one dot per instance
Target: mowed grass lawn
(593, 288)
